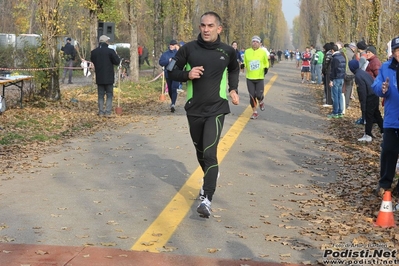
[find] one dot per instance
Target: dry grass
(40, 125)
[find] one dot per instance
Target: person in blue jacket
(386, 85)
(166, 57)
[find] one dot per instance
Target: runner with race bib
(257, 64)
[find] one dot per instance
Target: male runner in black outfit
(207, 65)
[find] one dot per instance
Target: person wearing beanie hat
(69, 54)
(363, 63)
(385, 86)
(104, 60)
(172, 85)
(337, 75)
(372, 50)
(361, 45)
(369, 102)
(325, 70)
(374, 63)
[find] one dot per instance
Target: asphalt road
(106, 190)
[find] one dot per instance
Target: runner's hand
(234, 97)
(196, 72)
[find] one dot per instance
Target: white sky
(290, 10)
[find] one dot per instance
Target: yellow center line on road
(161, 230)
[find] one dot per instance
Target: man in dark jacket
(337, 74)
(104, 60)
(164, 60)
(69, 56)
(326, 69)
(369, 102)
(208, 66)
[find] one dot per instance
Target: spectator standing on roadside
(374, 63)
(318, 64)
(369, 102)
(69, 56)
(363, 63)
(104, 59)
(337, 74)
(297, 57)
(306, 57)
(361, 48)
(164, 60)
(208, 65)
(326, 69)
(312, 52)
(386, 85)
(257, 63)
(145, 56)
(349, 53)
(140, 53)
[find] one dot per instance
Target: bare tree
(50, 18)
(158, 33)
(132, 22)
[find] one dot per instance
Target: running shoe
(262, 106)
(172, 108)
(201, 195)
(334, 116)
(204, 209)
(254, 116)
(365, 138)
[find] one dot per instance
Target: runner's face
(210, 28)
(234, 45)
(395, 54)
(255, 45)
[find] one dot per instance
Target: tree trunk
(134, 58)
(93, 38)
(158, 35)
(32, 16)
(49, 22)
(373, 24)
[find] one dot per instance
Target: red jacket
(374, 66)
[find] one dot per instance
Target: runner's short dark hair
(212, 13)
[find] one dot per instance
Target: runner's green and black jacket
(207, 96)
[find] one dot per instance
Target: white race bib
(254, 65)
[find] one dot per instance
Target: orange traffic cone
(385, 217)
